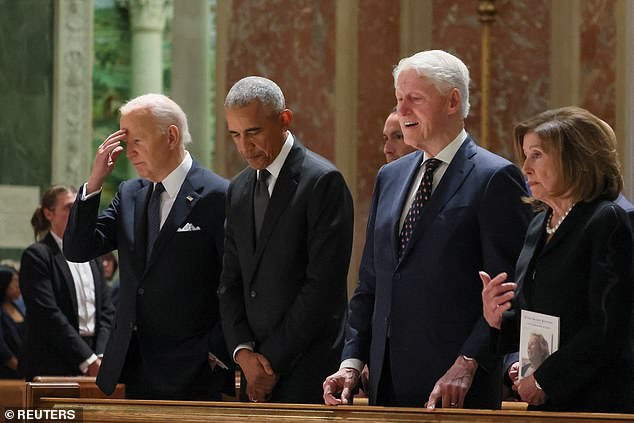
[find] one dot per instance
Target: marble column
(415, 26)
(72, 92)
(147, 21)
(625, 92)
(346, 103)
(191, 79)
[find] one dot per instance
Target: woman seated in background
(576, 264)
(11, 324)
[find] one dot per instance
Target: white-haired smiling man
(438, 216)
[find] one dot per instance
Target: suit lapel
(138, 227)
(62, 266)
(283, 192)
(409, 174)
(185, 201)
(96, 277)
(459, 169)
(533, 242)
(566, 226)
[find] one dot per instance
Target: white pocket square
(188, 227)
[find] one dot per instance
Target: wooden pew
(118, 410)
(12, 393)
(87, 386)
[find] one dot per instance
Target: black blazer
(52, 345)
(429, 303)
(170, 304)
(582, 275)
(288, 294)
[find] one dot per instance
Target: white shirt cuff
(246, 346)
(352, 363)
(85, 196)
(84, 366)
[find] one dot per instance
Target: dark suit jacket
(289, 294)
(429, 302)
(171, 304)
(626, 205)
(583, 276)
(52, 345)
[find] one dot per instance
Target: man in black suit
(287, 250)
(69, 310)
(168, 228)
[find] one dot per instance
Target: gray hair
(252, 88)
(445, 71)
(164, 110)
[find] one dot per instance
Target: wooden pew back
(87, 386)
(12, 393)
(102, 410)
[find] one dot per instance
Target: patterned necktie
(153, 218)
(422, 196)
(260, 200)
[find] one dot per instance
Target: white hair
(256, 88)
(445, 71)
(164, 110)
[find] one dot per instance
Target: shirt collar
(58, 240)
(174, 180)
(276, 166)
(447, 154)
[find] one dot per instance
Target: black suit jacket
(170, 304)
(288, 294)
(428, 303)
(582, 275)
(52, 345)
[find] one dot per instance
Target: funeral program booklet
(539, 338)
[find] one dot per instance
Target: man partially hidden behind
(437, 216)
(168, 228)
(287, 250)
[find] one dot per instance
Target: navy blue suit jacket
(171, 303)
(430, 301)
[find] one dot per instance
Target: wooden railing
(119, 410)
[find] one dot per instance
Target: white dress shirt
(86, 301)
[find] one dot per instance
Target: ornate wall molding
(147, 15)
(72, 91)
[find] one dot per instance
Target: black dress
(11, 335)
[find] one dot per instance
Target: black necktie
(260, 200)
(422, 196)
(154, 218)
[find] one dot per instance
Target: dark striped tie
(422, 196)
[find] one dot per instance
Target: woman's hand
(496, 297)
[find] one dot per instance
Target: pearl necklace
(551, 229)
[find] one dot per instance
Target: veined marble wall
(519, 61)
(598, 58)
(293, 44)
